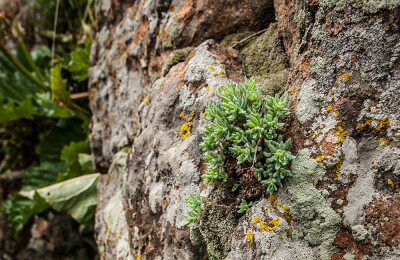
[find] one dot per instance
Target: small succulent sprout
(244, 206)
(197, 206)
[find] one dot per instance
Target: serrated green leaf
(79, 64)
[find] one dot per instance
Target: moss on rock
(174, 58)
(218, 224)
(264, 59)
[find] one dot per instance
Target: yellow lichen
(387, 27)
(346, 76)
(147, 99)
(256, 219)
(319, 159)
(137, 256)
(222, 74)
(341, 134)
(191, 116)
(249, 236)
(379, 175)
(186, 127)
(336, 178)
(280, 237)
(215, 74)
(315, 183)
(292, 92)
(331, 94)
(166, 202)
(275, 222)
(211, 67)
(390, 182)
(273, 200)
(185, 130)
(172, 8)
(382, 124)
(383, 141)
(329, 108)
(208, 88)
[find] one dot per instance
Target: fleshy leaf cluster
(196, 204)
(243, 125)
(244, 206)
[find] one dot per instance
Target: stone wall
(155, 65)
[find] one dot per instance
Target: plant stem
(29, 58)
(221, 206)
(22, 68)
(255, 153)
(247, 38)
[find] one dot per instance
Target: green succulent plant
(244, 206)
(196, 204)
(244, 123)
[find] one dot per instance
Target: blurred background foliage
(44, 113)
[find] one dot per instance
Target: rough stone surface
(338, 61)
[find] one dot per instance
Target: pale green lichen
(310, 101)
(309, 208)
(360, 233)
(174, 58)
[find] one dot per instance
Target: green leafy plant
(244, 206)
(243, 125)
(197, 209)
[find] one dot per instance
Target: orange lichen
(249, 236)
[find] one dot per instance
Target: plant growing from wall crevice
(243, 125)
